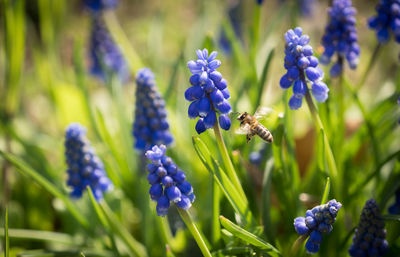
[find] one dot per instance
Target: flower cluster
(299, 61)
(100, 5)
(208, 94)
(84, 167)
(341, 36)
(151, 126)
(167, 181)
(106, 57)
(395, 207)
(317, 221)
(386, 20)
(369, 237)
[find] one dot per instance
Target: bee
(250, 126)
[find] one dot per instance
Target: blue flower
(302, 67)
(341, 36)
(260, 2)
(167, 181)
(150, 126)
(84, 167)
(386, 20)
(395, 207)
(106, 58)
(100, 5)
(369, 236)
(208, 94)
(317, 221)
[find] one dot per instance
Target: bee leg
(249, 137)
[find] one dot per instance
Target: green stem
(368, 123)
(369, 66)
(328, 151)
(195, 232)
(227, 160)
(297, 244)
(215, 225)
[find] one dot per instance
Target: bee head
(242, 116)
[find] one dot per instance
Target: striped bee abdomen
(264, 133)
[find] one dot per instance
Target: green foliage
(346, 148)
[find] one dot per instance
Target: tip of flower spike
(145, 77)
(156, 152)
(75, 129)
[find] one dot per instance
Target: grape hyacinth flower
(167, 181)
(84, 167)
(150, 126)
(317, 221)
(106, 57)
(395, 207)
(100, 5)
(386, 20)
(341, 37)
(302, 67)
(369, 237)
(208, 94)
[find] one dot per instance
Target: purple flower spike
(208, 94)
(168, 184)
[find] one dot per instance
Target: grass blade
(326, 191)
(134, 246)
(6, 237)
(39, 235)
(262, 81)
(391, 217)
(239, 204)
(28, 171)
(248, 237)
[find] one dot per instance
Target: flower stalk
(227, 160)
(328, 151)
(195, 232)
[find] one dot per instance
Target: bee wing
(243, 129)
(263, 112)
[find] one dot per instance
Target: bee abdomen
(264, 134)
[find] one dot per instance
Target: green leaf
(28, 171)
(233, 251)
(325, 195)
(266, 196)
(122, 40)
(391, 217)
(133, 245)
(238, 203)
(248, 237)
(358, 187)
(97, 208)
(169, 252)
(321, 160)
(39, 235)
(262, 81)
(6, 238)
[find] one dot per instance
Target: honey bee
(250, 126)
